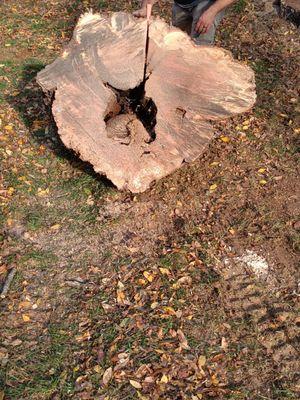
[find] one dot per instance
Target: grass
(51, 374)
(39, 259)
(239, 6)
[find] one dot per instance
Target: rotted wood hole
(132, 106)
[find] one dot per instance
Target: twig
(8, 282)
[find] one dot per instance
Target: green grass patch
(40, 259)
(239, 6)
(44, 370)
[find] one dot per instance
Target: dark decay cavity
(134, 101)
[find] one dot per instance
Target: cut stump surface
(136, 135)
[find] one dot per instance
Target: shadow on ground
(34, 109)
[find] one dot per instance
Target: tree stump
(132, 130)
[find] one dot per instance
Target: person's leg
(182, 18)
(208, 37)
(142, 12)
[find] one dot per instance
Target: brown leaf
(107, 376)
(182, 340)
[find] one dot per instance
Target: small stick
(8, 282)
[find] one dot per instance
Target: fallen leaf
(201, 361)
(16, 342)
(42, 193)
(26, 318)
(83, 337)
(55, 227)
(182, 340)
(184, 280)
(98, 369)
(213, 187)
(263, 182)
(120, 296)
(225, 139)
(169, 310)
(224, 344)
(24, 304)
(148, 276)
(107, 376)
(164, 271)
(135, 384)
(164, 379)
(154, 305)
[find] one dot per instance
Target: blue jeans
(187, 18)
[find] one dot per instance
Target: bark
(97, 82)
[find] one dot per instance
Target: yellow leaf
(120, 296)
(169, 310)
(245, 127)
(154, 305)
(135, 384)
(148, 276)
(261, 170)
(140, 396)
(262, 181)
(164, 271)
(213, 187)
(26, 318)
(10, 190)
(246, 122)
(82, 338)
(214, 380)
(8, 128)
(142, 282)
(201, 361)
(164, 379)
(98, 369)
(43, 193)
(214, 164)
(225, 139)
(55, 227)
